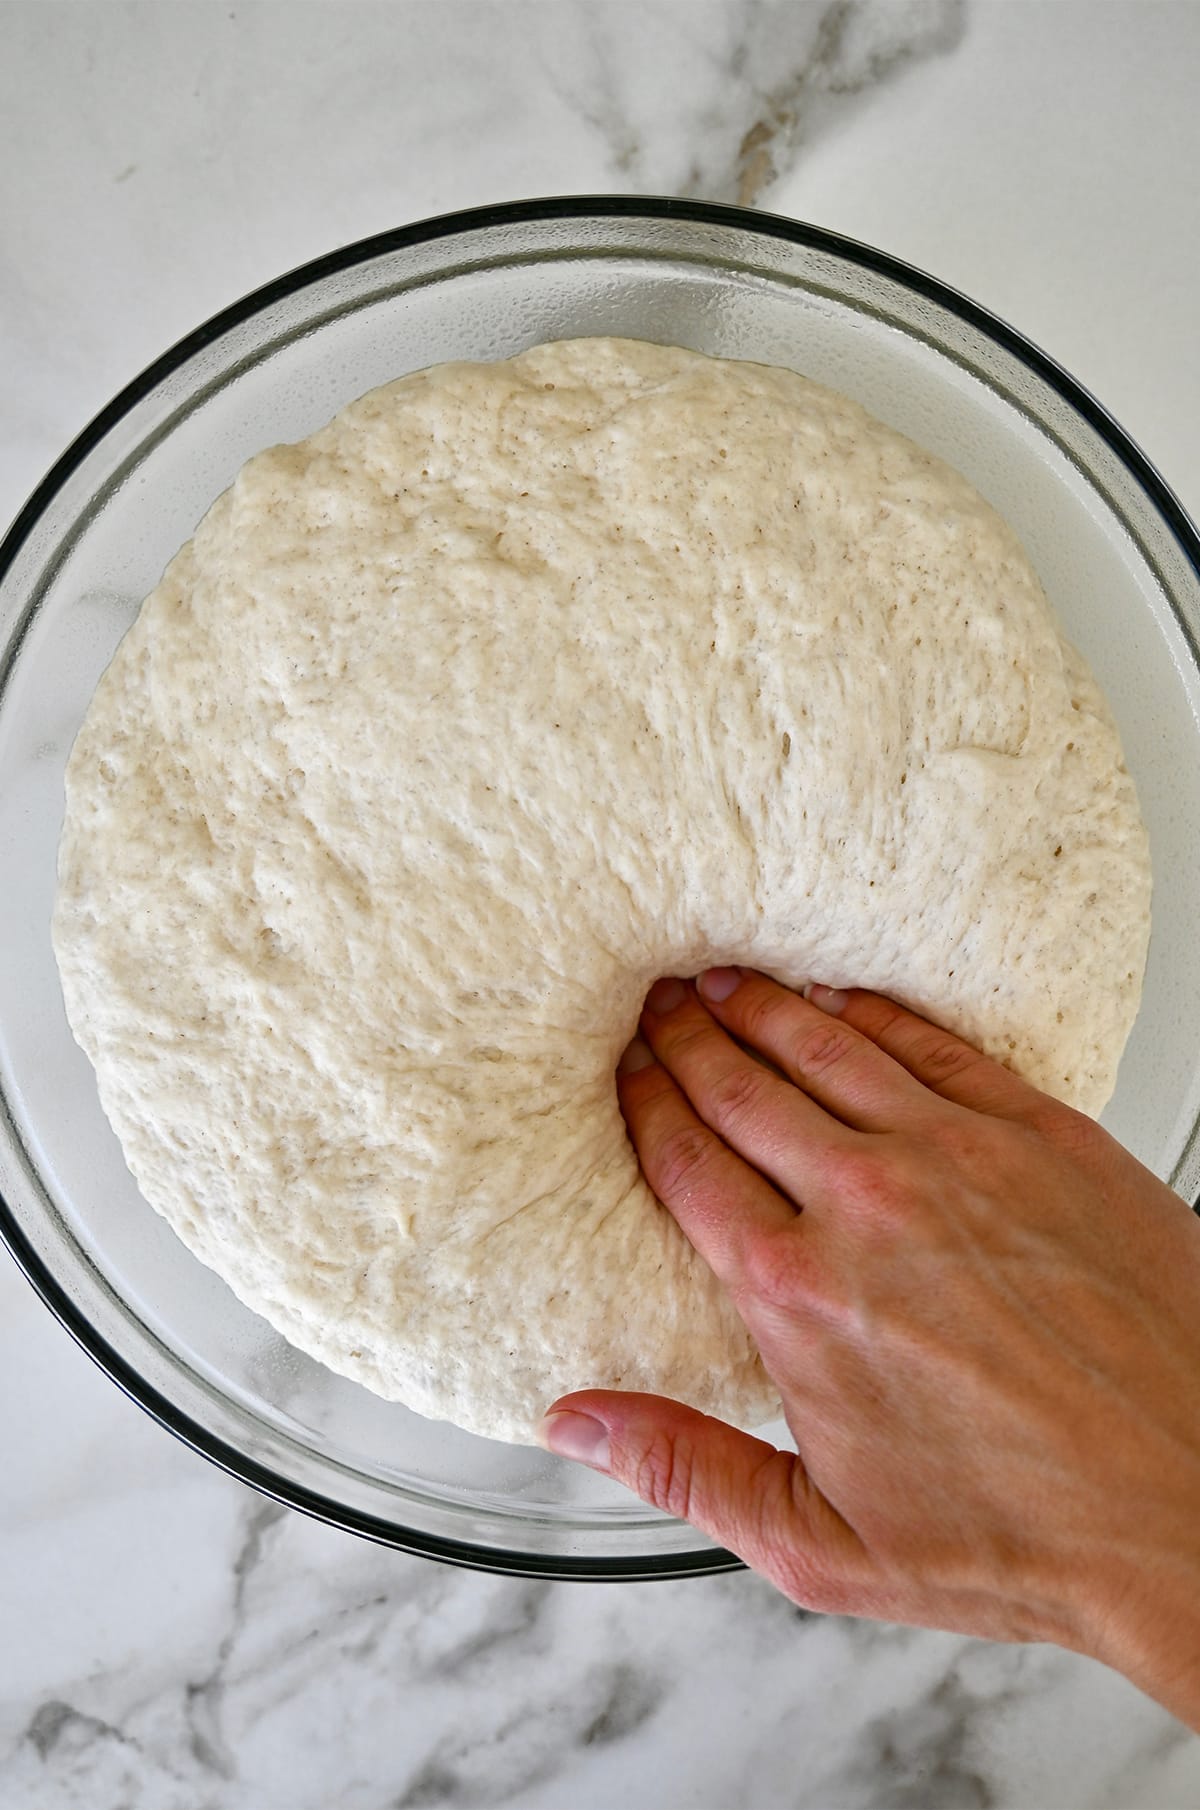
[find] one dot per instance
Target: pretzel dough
(515, 687)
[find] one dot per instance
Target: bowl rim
(701, 1561)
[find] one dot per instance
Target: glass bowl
(1116, 553)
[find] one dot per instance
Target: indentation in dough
(456, 725)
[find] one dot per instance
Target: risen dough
(513, 688)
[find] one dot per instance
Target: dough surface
(513, 688)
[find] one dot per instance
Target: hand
(982, 1314)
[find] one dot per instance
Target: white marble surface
(169, 1640)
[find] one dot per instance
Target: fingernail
(664, 996)
(576, 1436)
(638, 1054)
(718, 983)
(830, 999)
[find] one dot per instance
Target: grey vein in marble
(857, 45)
(203, 1696)
(924, 1753)
(716, 101)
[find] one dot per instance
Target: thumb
(754, 1499)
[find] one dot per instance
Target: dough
(513, 688)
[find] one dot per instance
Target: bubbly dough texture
(511, 689)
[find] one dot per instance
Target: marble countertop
(172, 1641)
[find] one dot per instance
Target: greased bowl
(1116, 553)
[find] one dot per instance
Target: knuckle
(879, 1018)
(964, 1137)
(663, 1474)
(943, 1058)
(818, 1048)
(865, 1176)
(1070, 1131)
(885, 1189)
(684, 1158)
(684, 1041)
(737, 1094)
(780, 1270)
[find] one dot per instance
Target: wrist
(1143, 1619)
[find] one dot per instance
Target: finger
(760, 1114)
(721, 1204)
(762, 1504)
(938, 1059)
(742, 1492)
(845, 1074)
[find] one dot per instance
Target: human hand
(982, 1314)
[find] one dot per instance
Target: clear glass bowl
(1117, 555)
